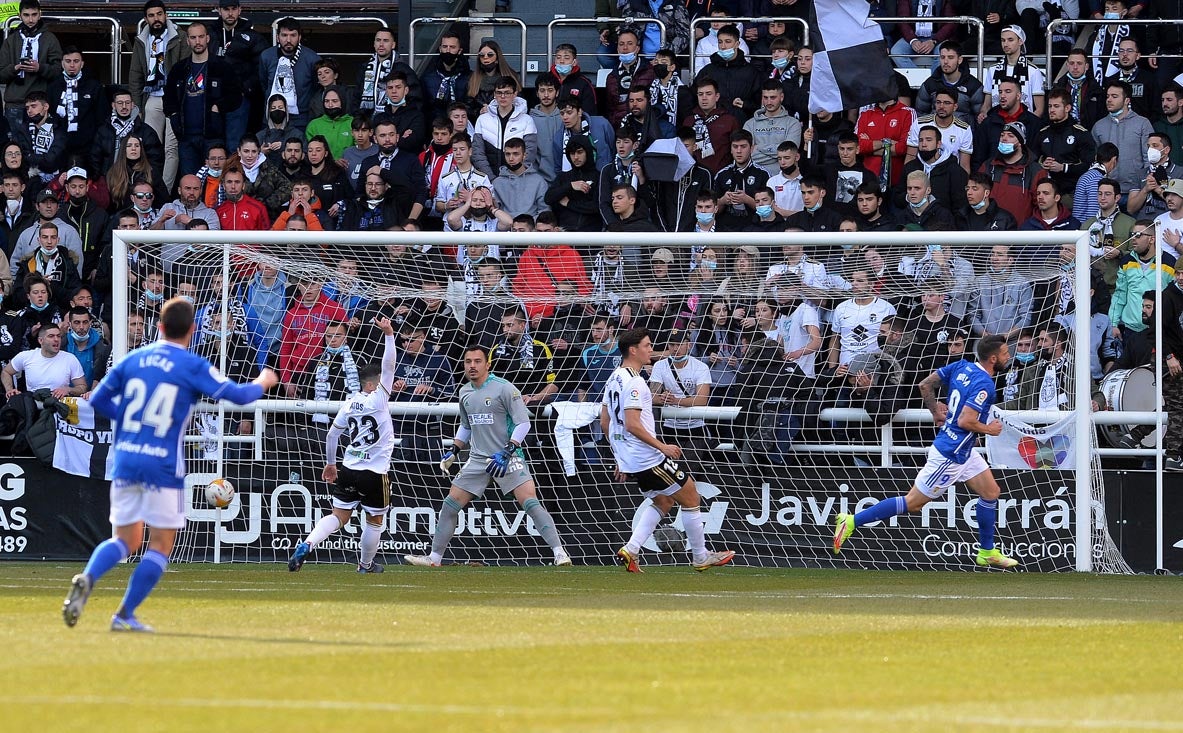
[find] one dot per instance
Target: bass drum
(1130, 390)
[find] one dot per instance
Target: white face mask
(1153, 155)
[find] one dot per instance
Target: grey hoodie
(548, 125)
(1130, 134)
(1002, 305)
(768, 132)
(521, 193)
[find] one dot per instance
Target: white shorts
(133, 502)
(939, 473)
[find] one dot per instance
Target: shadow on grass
(362, 644)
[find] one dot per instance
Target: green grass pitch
(255, 648)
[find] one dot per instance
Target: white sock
(695, 532)
(327, 525)
(370, 534)
(435, 558)
(650, 517)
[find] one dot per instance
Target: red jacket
(876, 124)
(540, 269)
(1015, 184)
(246, 214)
(303, 335)
(718, 126)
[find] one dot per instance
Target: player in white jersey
(626, 415)
(493, 423)
(364, 477)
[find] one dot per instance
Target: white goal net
(786, 369)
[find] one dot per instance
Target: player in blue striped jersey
(148, 397)
(951, 458)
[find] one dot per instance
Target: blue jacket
(92, 354)
(599, 131)
(265, 308)
(305, 78)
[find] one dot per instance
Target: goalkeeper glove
(446, 462)
(498, 465)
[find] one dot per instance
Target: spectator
(717, 343)
(352, 157)
(108, 138)
(883, 139)
(1149, 201)
(78, 100)
(457, 186)
(236, 42)
(570, 79)
(445, 78)
(712, 127)
(951, 77)
(632, 215)
(1050, 213)
(738, 80)
(433, 313)
(1169, 224)
(736, 182)
(346, 289)
(574, 196)
(786, 183)
(39, 310)
(328, 75)
(507, 118)
(707, 45)
(631, 71)
(1084, 91)
(771, 125)
(420, 375)
(932, 327)
(241, 212)
(328, 180)
(87, 346)
(88, 220)
(371, 84)
(306, 321)
(869, 201)
(548, 122)
(491, 67)
(1005, 298)
(1066, 149)
(209, 176)
(668, 92)
(1013, 66)
(332, 376)
(1105, 40)
(157, 48)
(1113, 235)
(139, 263)
(264, 302)
(799, 332)
(334, 125)
(402, 172)
(1129, 131)
(29, 239)
(478, 214)
(574, 122)
(404, 111)
(797, 89)
(623, 169)
(1009, 109)
(765, 219)
(42, 138)
(946, 176)
(287, 69)
(18, 214)
(292, 156)
(612, 277)
(564, 331)
(187, 207)
(954, 135)
(199, 92)
(856, 321)
(1015, 171)
(30, 58)
(1084, 202)
(1145, 98)
(304, 204)
(924, 209)
(519, 188)
(923, 38)
(263, 180)
(672, 202)
(279, 127)
(375, 210)
(487, 300)
(816, 216)
(647, 123)
(795, 269)
(523, 360)
(131, 167)
(681, 380)
(1171, 121)
(540, 270)
(46, 367)
(1054, 391)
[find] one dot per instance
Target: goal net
(786, 369)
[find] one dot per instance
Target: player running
(493, 423)
(148, 397)
(626, 415)
(364, 478)
(951, 458)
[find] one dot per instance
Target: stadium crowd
(219, 129)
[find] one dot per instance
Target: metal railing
(114, 57)
(707, 20)
(550, 27)
(968, 20)
(473, 20)
(1061, 22)
(332, 20)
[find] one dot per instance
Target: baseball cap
(44, 194)
(678, 335)
(1175, 186)
(1018, 31)
(228, 3)
(77, 172)
(663, 255)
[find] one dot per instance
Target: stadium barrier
(72, 23)
(706, 20)
(472, 21)
(1059, 23)
(966, 20)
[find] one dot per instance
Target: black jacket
(993, 219)
(673, 207)
(404, 173)
(1067, 142)
(1092, 106)
(93, 228)
(222, 90)
(737, 79)
(50, 159)
(581, 213)
(91, 106)
(946, 178)
(104, 147)
(240, 48)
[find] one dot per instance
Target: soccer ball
(219, 493)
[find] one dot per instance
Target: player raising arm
(364, 478)
(626, 416)
(148, 397)
(951, 457)
(493, 424)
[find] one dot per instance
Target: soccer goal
(778, 443)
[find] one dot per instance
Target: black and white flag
(850, 63)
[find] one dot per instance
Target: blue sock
(143, 580)
(107, 555)
(885, 509)
(987, 518)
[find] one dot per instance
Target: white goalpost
(771, 497)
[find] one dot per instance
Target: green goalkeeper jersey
(491, 413)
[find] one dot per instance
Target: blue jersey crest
(969, 385)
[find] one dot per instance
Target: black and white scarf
(155, 49)
(68, 105)
(373, 92)
(447, 90)
(203, 175)
(122, 128)
(702, 133)
(585, 130)
(30, 43)
(284, 83)
(1021, 72)
(608, 283)
(323, 382)
(1104, 50)
(666, 96)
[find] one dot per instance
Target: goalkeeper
(493, 423)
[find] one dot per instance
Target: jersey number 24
(154, 410)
